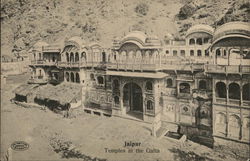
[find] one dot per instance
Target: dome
(233, 29)
(200, 28)
(136, 35)
(77, 40)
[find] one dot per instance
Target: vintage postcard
(125, 80)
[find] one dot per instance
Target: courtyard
(97, 137)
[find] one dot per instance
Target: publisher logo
(19, 146)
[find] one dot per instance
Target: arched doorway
(132, 98)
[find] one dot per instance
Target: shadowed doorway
(132, 99)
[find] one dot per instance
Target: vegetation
(67, 150)
(142, 9)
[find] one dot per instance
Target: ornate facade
(200, 85)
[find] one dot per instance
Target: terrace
(232, 69)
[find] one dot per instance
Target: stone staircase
(165, 127)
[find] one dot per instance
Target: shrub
(142, 9)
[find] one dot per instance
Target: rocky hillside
(212, 12)
(23, 22)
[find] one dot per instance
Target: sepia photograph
(125, 80)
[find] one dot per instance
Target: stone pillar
(241, 94)
(241, 115)
(123, 110)
(214, 56)
(227, 115)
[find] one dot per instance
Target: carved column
(227, 101)
(121, 83)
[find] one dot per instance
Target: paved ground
(88, 134)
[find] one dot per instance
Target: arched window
(234, 91)
(199, 41)
(224, 53)
(202, 84)
(103, 56)
(217, 52)
(92, 77)
(184, 88)
(147, 56)
(100, 80)
(53, 59)
(246, 92)
(150, 105)
(149, 85)
(83, 56)
(234, 126)
(76, 57)
(199, 53)
(169, 82)
(185, 110)
(116, 100)
(123, 56)
(77, 78)
(40, 56)
(67, 76)
(234, 120)
(67, 57)
(206, 52)
(246, 128)
(115, 84)
(183, 53)
(71, 57)
(167, 52)
(221, 118)
(191, 42)
(55, 76)
(72, 77)
(191, 52)
(221, 121)
(175, 53)
(221, 90)
(204, 113)
(138, 54)
(34, 56)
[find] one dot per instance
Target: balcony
(140, 66)
(246, 103)
(69, 64)
(42, 62)
(81, 64)
(232, 69)
(221, 100)
(234, 102)
(133, 66)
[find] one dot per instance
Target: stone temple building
(199, 86)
